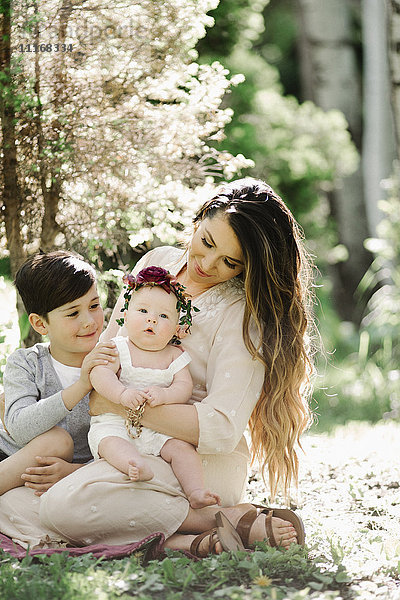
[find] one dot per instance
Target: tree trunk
(378, 131)
(12, 192)
(331, 80)
(393, 24)
(48, 181)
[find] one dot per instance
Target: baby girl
(149, 370)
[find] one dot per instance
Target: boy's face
(152, 319)
(74, 328)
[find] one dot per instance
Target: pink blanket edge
(153, 544)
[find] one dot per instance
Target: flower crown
(157, 276)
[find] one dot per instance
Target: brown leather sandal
(224, 533)
(246, 522)
(213, 540)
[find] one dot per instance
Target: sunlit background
(124, 119)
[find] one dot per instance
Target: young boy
(46, 387)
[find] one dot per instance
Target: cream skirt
(99, 504)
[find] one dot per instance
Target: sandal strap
(268, 527)
(212, 542)
(245, 524)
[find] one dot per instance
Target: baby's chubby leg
(123, 455)
(55, 442)
(185, 463)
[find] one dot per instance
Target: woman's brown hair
(276, 280)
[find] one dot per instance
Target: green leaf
(342, 577)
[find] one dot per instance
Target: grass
(349, 502)
(265, 573)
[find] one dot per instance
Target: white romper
(109, 424)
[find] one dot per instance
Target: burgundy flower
(129, 280)
(156, 275)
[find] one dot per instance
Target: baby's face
(152, 319)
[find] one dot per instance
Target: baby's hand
(156, 395)
(102, 354)
(131, 398)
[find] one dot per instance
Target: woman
(246, 271)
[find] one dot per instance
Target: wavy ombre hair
(276, 278)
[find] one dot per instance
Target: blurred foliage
(235, 21)
(298, 148)
(363, 381)
(9, 330)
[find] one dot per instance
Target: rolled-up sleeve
(234, 382)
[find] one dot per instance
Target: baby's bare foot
(139, 471)
(200, 497)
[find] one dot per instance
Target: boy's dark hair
(49, 280)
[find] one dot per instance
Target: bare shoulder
(175, 352)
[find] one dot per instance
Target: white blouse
(226, 380)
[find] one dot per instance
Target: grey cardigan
(33, 403)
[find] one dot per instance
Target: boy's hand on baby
(156, 395)
(102, 354)
(131, 398)
(51, 470)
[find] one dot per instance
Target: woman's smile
(199, 271)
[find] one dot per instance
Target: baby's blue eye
(164, 316)
(142, 310)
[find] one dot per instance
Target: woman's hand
(52, 469)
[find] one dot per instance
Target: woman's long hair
(276, 279)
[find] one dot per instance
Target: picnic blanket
(151, 546)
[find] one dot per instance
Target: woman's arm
(176, 420)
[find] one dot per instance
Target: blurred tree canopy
(106, 122)
(110, 128)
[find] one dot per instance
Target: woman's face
(215, 254)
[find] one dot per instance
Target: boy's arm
(27, 414)
(99, 356)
